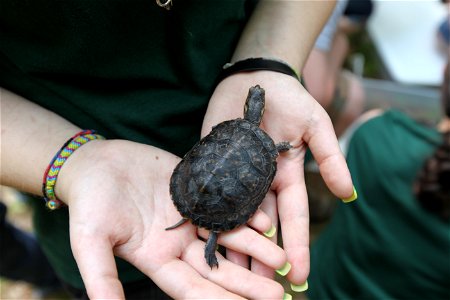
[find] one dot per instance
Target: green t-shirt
(384, 245)
(126, 68)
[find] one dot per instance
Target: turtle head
(254, 105)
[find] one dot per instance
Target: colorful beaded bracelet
(52, 171)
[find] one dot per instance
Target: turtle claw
(211, 260)
(210, 250)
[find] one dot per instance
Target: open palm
(292, 115)
(119, 204)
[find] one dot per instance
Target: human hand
(291, 115)
(269, 207)
(119, 204)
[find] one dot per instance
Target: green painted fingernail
(300, 288)
(271, 232)
(284, 270)
(287, 296)
(353, 197)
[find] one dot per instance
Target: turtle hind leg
(179, 223)
(283, 147)
(210, 250)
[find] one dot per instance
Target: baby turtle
(223, 179)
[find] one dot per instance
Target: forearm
(30, 137)
(284, 30)
(323, 68)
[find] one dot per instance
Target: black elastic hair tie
(257, 64)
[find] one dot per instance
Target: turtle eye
(245, 107)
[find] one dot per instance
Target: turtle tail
(181, 222)
(210, 250)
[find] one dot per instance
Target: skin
(129, 221)
(304, 123)
(291, 114)
(323, 76)
(322, 69)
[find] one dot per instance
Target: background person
(394, 243)
(339, 91)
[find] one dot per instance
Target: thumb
(323, 143)
(95, 260)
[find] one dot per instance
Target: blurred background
(394, 56)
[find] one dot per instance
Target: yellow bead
(52, 205)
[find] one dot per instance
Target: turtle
(220, 183)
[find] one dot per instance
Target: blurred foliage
(360, 43)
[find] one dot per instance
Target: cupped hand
(119, 205)
(291, 114)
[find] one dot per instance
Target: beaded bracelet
(52, 171)
(258, 64)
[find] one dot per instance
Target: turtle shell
(223, 179)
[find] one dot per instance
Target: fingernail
(271, 232)
(300, 288)
(284, 270)
(287, 296)
(352, 197)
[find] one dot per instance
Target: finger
(232, 277)
(264, 222)
(260, 221)
(95, 260)
(269, 206)
(180, 281)
(261, 269)
(293, 212)
(324, 146)
(238, 258)
(247, 241)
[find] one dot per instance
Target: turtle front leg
(283, 147)
(210, 250)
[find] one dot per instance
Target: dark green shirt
(126, 68)
(384, 245)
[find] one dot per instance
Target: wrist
(69, 152)
(258, 64)
(267, 79)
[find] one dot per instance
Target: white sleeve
(325, 37)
